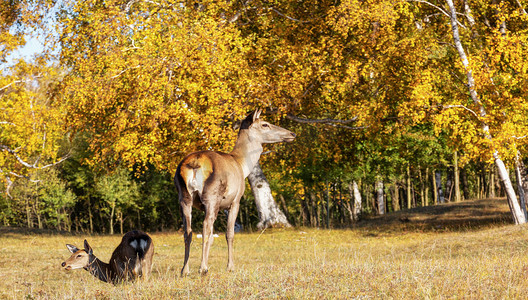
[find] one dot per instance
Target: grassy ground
(466, 250)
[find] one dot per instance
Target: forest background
(396, 104)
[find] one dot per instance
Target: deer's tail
(139, 241)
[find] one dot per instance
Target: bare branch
(6, 86)
(65, 157)
(319, 121)
(437, 7)
(32, 166)
(9, 182)
(287, 17)
(331, 122)
(14, 153)
(18, 81)
(462, 106)
(523, 11)
(120, 73)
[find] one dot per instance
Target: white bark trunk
(269, 212)
(457, 177)
(518, 215)
(379, 195)
(520, 184)
(357, 201)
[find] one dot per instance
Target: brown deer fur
(132, 259)
(211, 181)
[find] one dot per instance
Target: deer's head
(80, 258)
(265, 132)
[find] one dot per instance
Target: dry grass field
(455, 251)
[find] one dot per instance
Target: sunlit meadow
(452, 251)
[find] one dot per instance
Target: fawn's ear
(87, 248)
(72, 248)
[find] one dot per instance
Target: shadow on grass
(18, 231)
(458, 216)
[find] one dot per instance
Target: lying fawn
(132, 259)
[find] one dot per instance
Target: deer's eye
(79, 256)
(265, 125)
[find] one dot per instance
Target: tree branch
(332, 122)
(523, 11)
(18, 81)
(9, 182)
(120, 73)
(65, 157)
(32, 166)
(437, 7)
(287, 17)
(462, 106)
(8, 85)
(319, 121)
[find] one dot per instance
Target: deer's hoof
(203, 272)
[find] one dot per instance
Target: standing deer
(211, 181)
(132, 259)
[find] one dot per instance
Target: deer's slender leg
(230, 233)
(186, 209)
(210, 217)
(147, 267)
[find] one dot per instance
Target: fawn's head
(80, 258)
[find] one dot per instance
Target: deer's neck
(247, 152)
(99, 269)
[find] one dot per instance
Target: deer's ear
(72, 248)
(256, 114)
(87, 248)
(247, 121)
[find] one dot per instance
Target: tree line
(395, 104)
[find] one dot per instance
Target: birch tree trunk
(491, 185)
(395, 197)
(90, 217)
(327, 199)
(518, 215)
(435, 189)
(112, 219)
(426, 183)
(355, 211)
(379, 196)
(520, 184)
(269, 212)
(409, 192)
(358, 202)
(457, 177)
